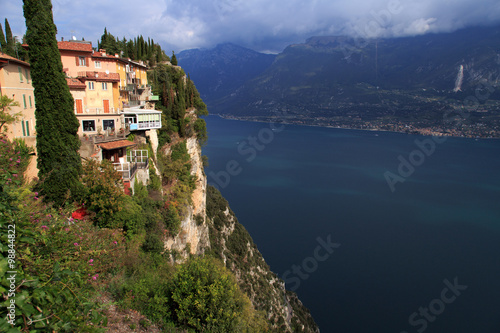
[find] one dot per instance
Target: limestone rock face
(193, 237)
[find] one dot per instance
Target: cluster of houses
(112, 98)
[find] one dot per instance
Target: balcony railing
(94, 111)
(108, 135)
(127, 170)
(137, 159)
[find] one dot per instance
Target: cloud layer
(259, 24)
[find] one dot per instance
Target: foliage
(6, 105)
(3, 42)
(172, 219)
(173, 59)
(176, 166)
(14, 159)
(205, 296)
(10, 43)
(59, 163)
(200, 126)
(135, 49)
(102, 191)
(58, 264)
(130, 216)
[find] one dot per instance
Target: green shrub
(172, 220)
(102, 191)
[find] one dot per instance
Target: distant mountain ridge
(220, 71)
(375, 83)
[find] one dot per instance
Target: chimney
(62, 39)
(116, 55)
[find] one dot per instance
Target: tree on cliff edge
(57, 144)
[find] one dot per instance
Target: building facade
(15, 83)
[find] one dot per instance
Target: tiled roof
(100, 76)
(75, 46)
(116, 144)
(98, 55)
(75, 83)
(7, 57)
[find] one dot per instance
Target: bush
(200, 126)
(172, 220)
(103, 193)
(205, 296)
(152, 243)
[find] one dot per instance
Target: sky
(262, 25)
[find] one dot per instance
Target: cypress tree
(57, 144)
(173, 60)
(10, 47)
(3, 42)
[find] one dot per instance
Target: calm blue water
(291, 187)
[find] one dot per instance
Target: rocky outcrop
(193, 237)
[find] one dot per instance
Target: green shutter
(24, 101)
(31, 104)
(27, 128)
(24, 129)
(20, 73)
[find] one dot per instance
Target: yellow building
(15, 83)
(96, 99)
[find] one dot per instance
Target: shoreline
(437, 134)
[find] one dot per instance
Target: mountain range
(336, 80)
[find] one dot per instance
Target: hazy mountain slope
(219, 71)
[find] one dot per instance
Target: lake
(375, 231)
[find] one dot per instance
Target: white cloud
(260, 24)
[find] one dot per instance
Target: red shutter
(87, 61)
(79, 106)
(77, 61)
(105, 103)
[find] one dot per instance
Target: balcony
(108, 136)
(100, 111)
(136, 159)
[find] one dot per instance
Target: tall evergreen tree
(3, 42)
(10, 47)
(173, 60)
(57, 144)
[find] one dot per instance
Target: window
(82, 61)
(97, 64)
(24, 101)
(88, 125)
(104, 86)
(108, 125)
(31, 103)
(27, 128)
(20, 74)
(91, 85)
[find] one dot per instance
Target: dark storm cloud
(259, 24)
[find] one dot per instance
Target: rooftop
(75, 83)
(100, 76)
(116, 144)
(80, 46)
(5, 59)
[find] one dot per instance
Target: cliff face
(211, 228)
(193, 236)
